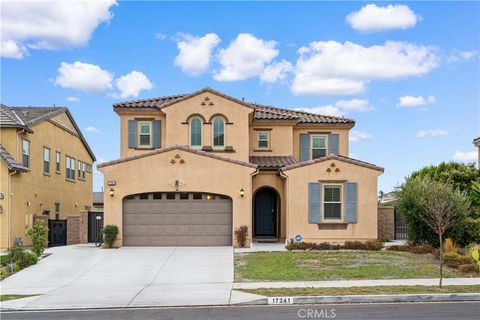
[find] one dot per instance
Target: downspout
(287, 226)
(9, 233)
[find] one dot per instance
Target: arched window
(218, 133)
(196, 132)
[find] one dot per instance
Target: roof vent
(24, 112)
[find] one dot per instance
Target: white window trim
(49, 159)
(213, 134)
(58, 159)
(139, 126)
(342, 216)
(311, 144)
(27, 153)
(190, 133)
(268, 140)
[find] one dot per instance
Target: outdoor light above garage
(112, 192)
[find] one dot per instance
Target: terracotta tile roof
(333, 157)
(272, 162)
(11, 163)
(178, 147)
(8, 118)
(262, 112)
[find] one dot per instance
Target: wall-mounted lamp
(242, 192)
(112, 192)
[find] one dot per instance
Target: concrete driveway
(83, 276)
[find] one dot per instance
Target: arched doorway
(265, 214)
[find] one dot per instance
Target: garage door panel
(177, 222)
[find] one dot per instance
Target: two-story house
(46, 169)
(193, 168)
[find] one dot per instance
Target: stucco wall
(197, 174)
(281, 139)
(297, 206)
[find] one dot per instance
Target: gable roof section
(177, 147)
(272, 162)
(261, 112)
(8, 118)
(333, 157)
(11, 163)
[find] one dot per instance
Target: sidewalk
(355, 283)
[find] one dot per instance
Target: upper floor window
(144, 134)
(319, 146)
(46, 160)
(332, 202)
(81, 170)
(26, 153)
(70, 167)
(263, 140)
(196, 132)
(57, 161)
(218, 133)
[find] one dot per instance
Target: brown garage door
(177, 219)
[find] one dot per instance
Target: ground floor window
(332, 202)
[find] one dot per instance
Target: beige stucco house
(193, 168)
(45, 169)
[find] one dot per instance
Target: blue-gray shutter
(314, 203)
(156, 133)
(333, 143)
(132, 133)
(304, 147)
(351, 202)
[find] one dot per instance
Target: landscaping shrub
(417, 249)
(354, 245)
(449, 246)
(3, 273)
(374, 245)
(384, 238)
(38, 233)
(241, 236)
(468, 268)
(454, 260)
(15, 254)
(471, 230)
(110, 232)
(28, 259)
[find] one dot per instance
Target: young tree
(442, 207)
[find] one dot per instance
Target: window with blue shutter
(132, 133)
(304, 147)
(333, 143)
(314, 206)
(156, 133)
(351, 202)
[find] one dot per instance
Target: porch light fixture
(112, 192)
(242, 192)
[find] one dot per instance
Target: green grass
(288, 292)
(6, 297)
(336, 265)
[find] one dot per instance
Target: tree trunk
(440, 235)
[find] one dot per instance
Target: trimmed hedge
(371, 245)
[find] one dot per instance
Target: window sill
(58, 172)
(46, 174)
(332, 226)
(80, 179)
(262, 150)
(227, 149)
(144, 148)
(70, 180)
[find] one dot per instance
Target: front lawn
(291, 292)
(6, 297)
(336, 265)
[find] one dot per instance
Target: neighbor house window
(144, 134)
(196, 132)
(332, 202)
(26, 153)
(46, 160)
(70, 167)
(218, 133)
(81, 170)
(57, 161)
(57, 210)
(263, 140)
(319, 146)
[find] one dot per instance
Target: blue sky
(432, 62)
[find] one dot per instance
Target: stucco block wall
(386, 222)
(73, 230)
(297, 206)
(198, 173)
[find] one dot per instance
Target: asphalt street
(391, 311)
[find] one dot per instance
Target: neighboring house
(476, 142)
(387, 198)
(45, 168)
(193, 168)
(98, 201)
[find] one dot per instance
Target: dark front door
(57, 233)
(266, 213)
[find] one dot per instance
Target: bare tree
(442, 207)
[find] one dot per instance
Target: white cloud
(73, 99)
(358, 136)
(341, 107)
(84, 76)
(371, 18)
(131, 84)
(333, 68)
(276, 71)
(50, 25)
(412, 101)
(9, 49)
(195, 53)
(457, 55)
(467, 157)
(92, 130)
(431, 133)
(245, 57)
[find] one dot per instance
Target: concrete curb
(441, 297)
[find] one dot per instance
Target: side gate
(57, 233)
(95, 223)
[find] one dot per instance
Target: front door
(266, 213)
